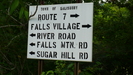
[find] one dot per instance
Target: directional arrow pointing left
(32, 44)
(32, 53)
(86, 26)
(74, 15)
(32, 35)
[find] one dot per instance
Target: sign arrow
(86, 26)
(32, 44)
(32, 53)
(74, 15)
(32, 35)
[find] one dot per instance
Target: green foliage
(21, 12)
(112, 40)
(26, 13)
(62, 68)
(13, 6)
(48, 73)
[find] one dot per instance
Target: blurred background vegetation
(112, 39)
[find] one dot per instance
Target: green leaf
(63, 73)
(21, 12)
(50, 72)
(14, 5)
(70, 65)
(43, 73)
(71, 73)
(26, 13)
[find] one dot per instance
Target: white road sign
(61, 32)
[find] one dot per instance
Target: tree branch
(5, 58)
(16, 20)
(8, 68)
(34, 12)
(13, 39)
(9, 26)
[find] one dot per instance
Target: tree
(13, 36)
(112, 41)
(112, 49)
